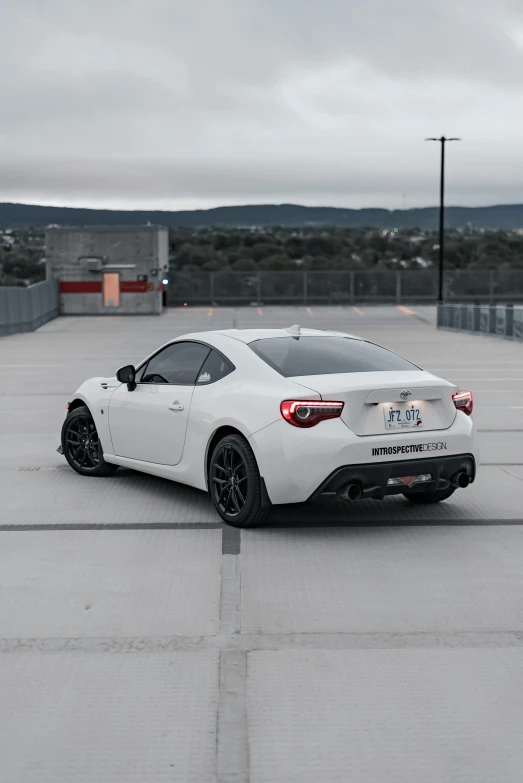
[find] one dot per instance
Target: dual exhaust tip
(354, 491)
(351, 491)
(460, 479)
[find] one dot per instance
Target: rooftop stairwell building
(109, 270)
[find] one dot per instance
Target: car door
(150, 422)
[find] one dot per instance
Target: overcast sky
(179, 104)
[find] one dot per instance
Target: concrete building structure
(108, 270)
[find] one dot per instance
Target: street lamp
(442, 141)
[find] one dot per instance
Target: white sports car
(264, 416)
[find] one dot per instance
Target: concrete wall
(133, 253)
(494, 320)
(25, 309)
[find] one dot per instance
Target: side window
(179, 363)
(215, 367)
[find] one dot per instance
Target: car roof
(251, 335)
(230, 340)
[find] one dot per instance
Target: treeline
(281, 248)
(286, 248)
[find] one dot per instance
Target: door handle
(175, 406)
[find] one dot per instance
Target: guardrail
(494, 320)
(25, 309)
(343, 287)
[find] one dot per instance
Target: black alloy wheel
(230, 480)
(81, 444)
(235, 484)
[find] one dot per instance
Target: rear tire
(235, 484)
(419, 498)
(81, 445)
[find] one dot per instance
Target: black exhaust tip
(460, 479)
(351, 491)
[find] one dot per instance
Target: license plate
(402, 416)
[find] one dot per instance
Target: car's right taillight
(308, 413)
(463, 401)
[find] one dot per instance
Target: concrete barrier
(504, 321)
(25, 309)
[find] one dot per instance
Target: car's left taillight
(463, 401)
(308, 413)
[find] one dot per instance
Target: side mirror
(127, 375)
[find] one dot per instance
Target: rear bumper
(295, 462)
(373, 478)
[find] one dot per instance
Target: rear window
(291, 356)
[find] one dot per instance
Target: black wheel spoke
(235, 499)
(226, 501)
(219, 467)
(222, 491)
(239, 494)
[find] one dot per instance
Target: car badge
(405, 394)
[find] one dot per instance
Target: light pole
(442, 141)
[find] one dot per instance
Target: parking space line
(42, 527)
(210, 312)
(33, 365)
(465, 378)
(260, 311)
(309, 310)
(405, 310)
(357, 310)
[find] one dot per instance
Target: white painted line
(33, 365)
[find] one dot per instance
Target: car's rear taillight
(307, 413)
(463, 401)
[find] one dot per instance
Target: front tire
(419, 498)
(235, 484)
(81, 444)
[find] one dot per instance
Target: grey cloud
(249, 99)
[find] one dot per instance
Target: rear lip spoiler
(417, 393)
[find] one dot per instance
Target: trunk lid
(378, 403)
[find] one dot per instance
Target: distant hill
(507, 216)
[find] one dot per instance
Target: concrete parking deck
(139, 640)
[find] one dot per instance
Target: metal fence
(494, 320)
(25, 309)
(229, 288)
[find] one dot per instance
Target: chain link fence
(244, 288)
